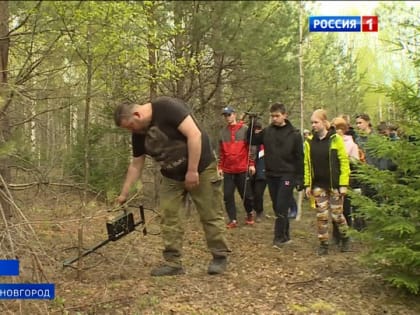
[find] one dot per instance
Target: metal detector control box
(120, 226)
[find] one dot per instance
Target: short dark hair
(257, 124)
(123, 110)
(278, 107)
(363, 116)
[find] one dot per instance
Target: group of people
(272, 156)
(250, 158)
(332, 153)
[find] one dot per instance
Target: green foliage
(270, 59)
(332, 81)
(108, 160)
(248, 49)
(393, 217)
(389, 57)
(405, 94)
(393, 214)
(7, 148)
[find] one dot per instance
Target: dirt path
(260, 279)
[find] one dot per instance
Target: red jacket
(234, 149)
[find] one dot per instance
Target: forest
(65, 65)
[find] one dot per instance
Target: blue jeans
(281, 192)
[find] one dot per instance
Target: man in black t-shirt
(165, 130)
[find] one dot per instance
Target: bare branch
(21, 78)
(37, 114)
(6, 225)
(37, 6)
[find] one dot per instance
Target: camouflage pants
(327, 201)
(207, 198)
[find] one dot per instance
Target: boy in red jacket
(234, 164)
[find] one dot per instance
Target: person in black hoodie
(283, 148)
(257, 180)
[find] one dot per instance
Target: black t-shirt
(165, 143)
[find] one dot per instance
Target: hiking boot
(259, 217)
(345, 245)
(249, 219)
(217, 266)
(232, 224)
(166, 270)
(323, 249)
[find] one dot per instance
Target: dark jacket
(283, 148)
(381, 163)
(259, 162)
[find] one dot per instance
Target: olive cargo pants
(207, 198)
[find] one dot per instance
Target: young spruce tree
(393, 215)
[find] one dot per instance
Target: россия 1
(343, 23)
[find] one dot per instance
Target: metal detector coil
(117, 228)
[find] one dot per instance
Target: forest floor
(260, 279)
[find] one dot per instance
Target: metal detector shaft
(142, 220)
(88, 251)
(249, 153)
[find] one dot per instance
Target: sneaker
(259, 217)
(166, 270)
(292, 214)
(217, 266)
(249, 219)
(232, 224)
(279, 243)
(323, 249)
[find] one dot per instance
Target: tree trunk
(151, 46)
(302, 108)
(179, 44)
(5, 100)
(86, 136)
(218, 64)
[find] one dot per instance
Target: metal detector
(252, 116)
(117, 228)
